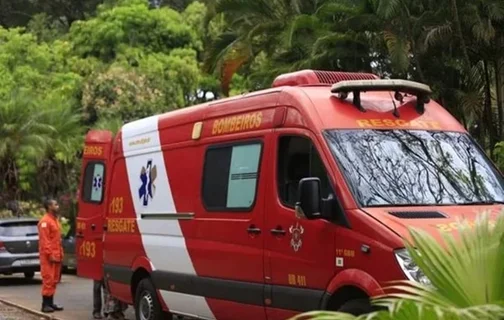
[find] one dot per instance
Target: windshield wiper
(474, 203)
(481, 203)
(401, 205)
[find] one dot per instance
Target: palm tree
(290, 35)
(474, 36)
(466, 271)
(253, 26)
(40, 138)
(111, 124)
(24, 139)
(57, 170)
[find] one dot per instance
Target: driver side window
(297, 159)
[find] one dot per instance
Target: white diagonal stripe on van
(162, 239)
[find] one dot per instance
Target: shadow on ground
(18, 281)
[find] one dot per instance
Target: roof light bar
(421, 91)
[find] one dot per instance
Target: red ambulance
(277, 202)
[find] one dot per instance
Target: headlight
(410, 268)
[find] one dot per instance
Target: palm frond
(299, 22)
(399, 50)
(232, 63)
(453, 265)
(438, 34)
(388, 8)
(237, 8)
(495, 10)
(110, 124)
(484, 31)
(219, 49)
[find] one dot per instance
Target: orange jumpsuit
(51, 253)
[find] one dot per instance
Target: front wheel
(147, 306)
(29, 275)
(357, 307)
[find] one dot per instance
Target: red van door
(300, 252)
(92, 205)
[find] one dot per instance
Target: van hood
(435, 220)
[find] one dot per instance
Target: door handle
(93, 226)
(253, 230)
(79, 235)
(278, 231)
(104, 227)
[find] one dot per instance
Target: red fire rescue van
(276, 202)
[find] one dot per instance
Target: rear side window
(230, 177)
(18, 229)
(94, 179)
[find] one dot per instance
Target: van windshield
(415, 168)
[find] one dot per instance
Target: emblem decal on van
(97, 182)
(148, 176)
(296, 232)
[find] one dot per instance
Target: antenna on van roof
(421, 91)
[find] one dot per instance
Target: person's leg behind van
(97, 299)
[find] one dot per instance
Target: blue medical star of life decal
(97, 182)
(148, 176)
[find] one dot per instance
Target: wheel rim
(146, 306)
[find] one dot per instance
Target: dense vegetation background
(67, 66)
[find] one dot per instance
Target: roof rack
(421, 91)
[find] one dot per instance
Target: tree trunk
(499, 82)
(458, 32)
(491, 129)
(11, 190)
(416, 57)
(499, 74)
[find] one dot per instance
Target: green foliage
(477, 254)
(72, 66)
(178, 5)
(45, 29)
(121, 93)
(499, 155)
(38, 68)
(452, 266)
(26, 208)
(131, 24)
(111, 124)
(66, 10)
(38, 109)
(194, 15)
(66, 71)
(176, 75)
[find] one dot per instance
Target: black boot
(54, 306)
(46, 308)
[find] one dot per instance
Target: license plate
(26, 262)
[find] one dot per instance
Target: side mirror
(309, 201)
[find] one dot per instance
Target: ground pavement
(8, 312)
(73, 293)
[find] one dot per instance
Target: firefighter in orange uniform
(51, 254)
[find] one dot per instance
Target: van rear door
(92, 204)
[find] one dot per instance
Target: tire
(147, 306)
(357, 307)
(29, 275)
